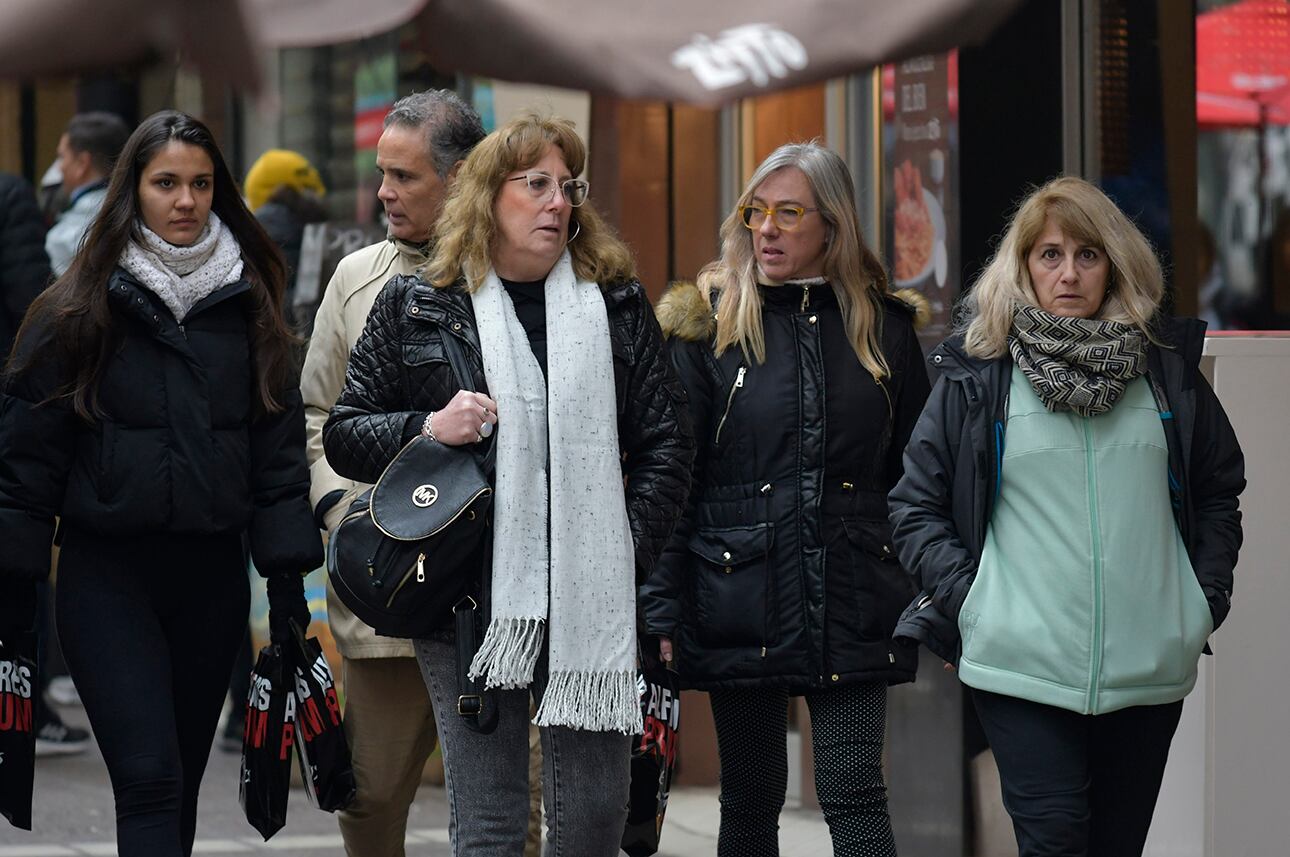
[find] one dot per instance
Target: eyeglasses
(786, 217)
(542, 186)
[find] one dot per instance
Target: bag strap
(475, 704)
(461, 369)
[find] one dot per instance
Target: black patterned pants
(848, 726)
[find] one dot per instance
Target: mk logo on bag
(425, 495)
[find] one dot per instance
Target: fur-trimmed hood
(683, 312)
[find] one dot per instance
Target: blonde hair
(850, 266)
(1135, 284)
(467, 228)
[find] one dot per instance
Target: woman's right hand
(462, 421)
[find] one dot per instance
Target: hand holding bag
(410, 548)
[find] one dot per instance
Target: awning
(697, 51)
(40, 38)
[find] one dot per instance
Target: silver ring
(486, 430)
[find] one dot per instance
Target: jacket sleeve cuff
(412, 427)
(1220, 603)
(284, 539)
(27, 540)
(329, 500)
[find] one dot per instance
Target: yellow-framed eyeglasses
(786, 217)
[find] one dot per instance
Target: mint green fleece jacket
(1084, 598)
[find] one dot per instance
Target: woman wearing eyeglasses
(593, 463)
(804, 379)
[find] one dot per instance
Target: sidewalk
(690, 829)
(73, 817)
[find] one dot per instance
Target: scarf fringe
(509, 653)
(593, 701)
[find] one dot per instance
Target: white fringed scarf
(181, 275)
(565, 565)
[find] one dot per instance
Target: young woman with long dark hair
(152, 404)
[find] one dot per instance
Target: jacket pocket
(885, 589)
(732, 585)
(422, 353)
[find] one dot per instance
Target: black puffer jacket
(24, 267)
(941, 507)
(399, 372)
(178, 450)
(782, 572)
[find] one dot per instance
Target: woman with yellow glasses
(805, 379)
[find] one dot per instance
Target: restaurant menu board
(920, 187)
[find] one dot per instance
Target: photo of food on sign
(919, 225)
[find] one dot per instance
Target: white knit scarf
(183, 275)
(565, 565)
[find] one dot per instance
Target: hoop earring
(577, 230)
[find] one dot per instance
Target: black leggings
(848, 725)
(1078, 785)
(149, 628)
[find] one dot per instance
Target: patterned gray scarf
(1076, 364)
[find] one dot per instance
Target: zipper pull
(421, 568)
(806, 297)
(739, 378)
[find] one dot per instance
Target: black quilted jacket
(398, 372)
(24, 267)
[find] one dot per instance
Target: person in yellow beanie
(279, 168)
(284, 190)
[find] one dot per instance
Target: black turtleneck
(529, 300)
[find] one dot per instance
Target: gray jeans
(586, 776)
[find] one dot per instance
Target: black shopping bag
(320, 738)
(267, 743)
(17, 728)
(653, 757)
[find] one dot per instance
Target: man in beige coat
(388, 718)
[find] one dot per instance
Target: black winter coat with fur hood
(782, 571)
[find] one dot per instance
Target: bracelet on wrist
(426, 428)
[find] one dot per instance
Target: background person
(1069, 506)
(389, 721)
(152, 405)
(86, 152)
(285, 192)
(544, 301)
(24, 274)
(804, 379)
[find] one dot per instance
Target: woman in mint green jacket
(1069, 507)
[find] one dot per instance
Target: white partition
(1227, 787)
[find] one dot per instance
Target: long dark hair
(72, 321)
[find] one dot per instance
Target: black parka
(941, 507)
(399, 372)
(782, 571)
(179, 448)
